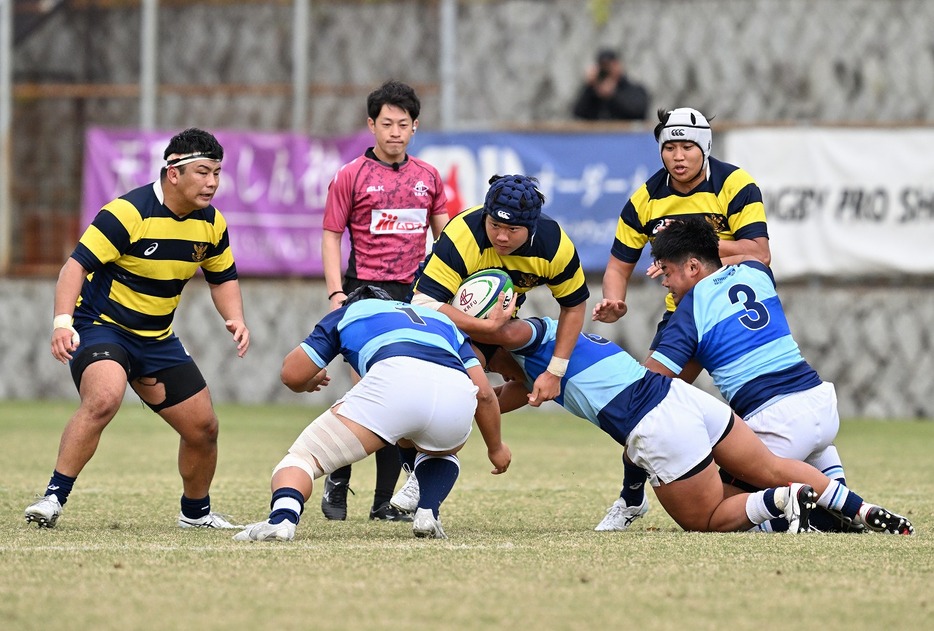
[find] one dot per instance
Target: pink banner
(272, 191)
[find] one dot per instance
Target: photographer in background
(608, 94)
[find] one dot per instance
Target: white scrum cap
(687, 124)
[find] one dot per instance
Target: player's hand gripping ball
(479, 292)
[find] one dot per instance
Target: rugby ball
(479, 291)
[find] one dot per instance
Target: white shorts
(800, 425)
(403, 397)
(678, 434)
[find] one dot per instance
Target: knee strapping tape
(324, 446)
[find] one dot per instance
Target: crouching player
(421, 386)
(677, 433)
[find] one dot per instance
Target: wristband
(334, 293)
(62, 321)
(65, 321)
(558, 366)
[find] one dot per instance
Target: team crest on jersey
(420, 189)
(718, 222)
(201, 251)
(527, 280)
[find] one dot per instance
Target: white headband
(178, 159)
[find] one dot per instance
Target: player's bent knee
(101, 407)
(323, 447)
(312, 468)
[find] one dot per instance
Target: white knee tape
(308, 466)
(325, 446)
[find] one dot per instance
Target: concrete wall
(874, 343)
(517, 61)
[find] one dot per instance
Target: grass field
(521, 551)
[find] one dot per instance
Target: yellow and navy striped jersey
(729, 199)
(140, 255)
(549, 258)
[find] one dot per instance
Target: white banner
(843, 202)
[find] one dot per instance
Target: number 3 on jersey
(756, 316)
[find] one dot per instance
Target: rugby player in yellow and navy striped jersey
(691, 183)
(114, 303)
(508, 232)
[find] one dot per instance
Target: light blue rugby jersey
(372, 330)
(603, 383)
(733, 322)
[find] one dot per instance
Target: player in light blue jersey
(731, 320)
(421, 385)
(676, 432)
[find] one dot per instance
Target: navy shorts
(142, 357)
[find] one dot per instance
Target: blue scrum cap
(514, 200)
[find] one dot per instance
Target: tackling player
(676, 433)
(691, 183)
(420, 384)
(730, 319)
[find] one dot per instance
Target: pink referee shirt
(386, 211)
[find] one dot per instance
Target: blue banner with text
(586, 177)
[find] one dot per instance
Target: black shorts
(399, 291)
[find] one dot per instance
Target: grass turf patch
(522, 551)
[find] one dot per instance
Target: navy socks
(436, 477)
(60, 485)
(633, 483)
(196, 508)
(287, 504)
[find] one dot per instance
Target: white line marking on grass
(260, 546)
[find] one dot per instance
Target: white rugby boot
(424, 525)
(44, 511)
(211, 520)
(620, 517)
(265, 531)
(406, 499)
